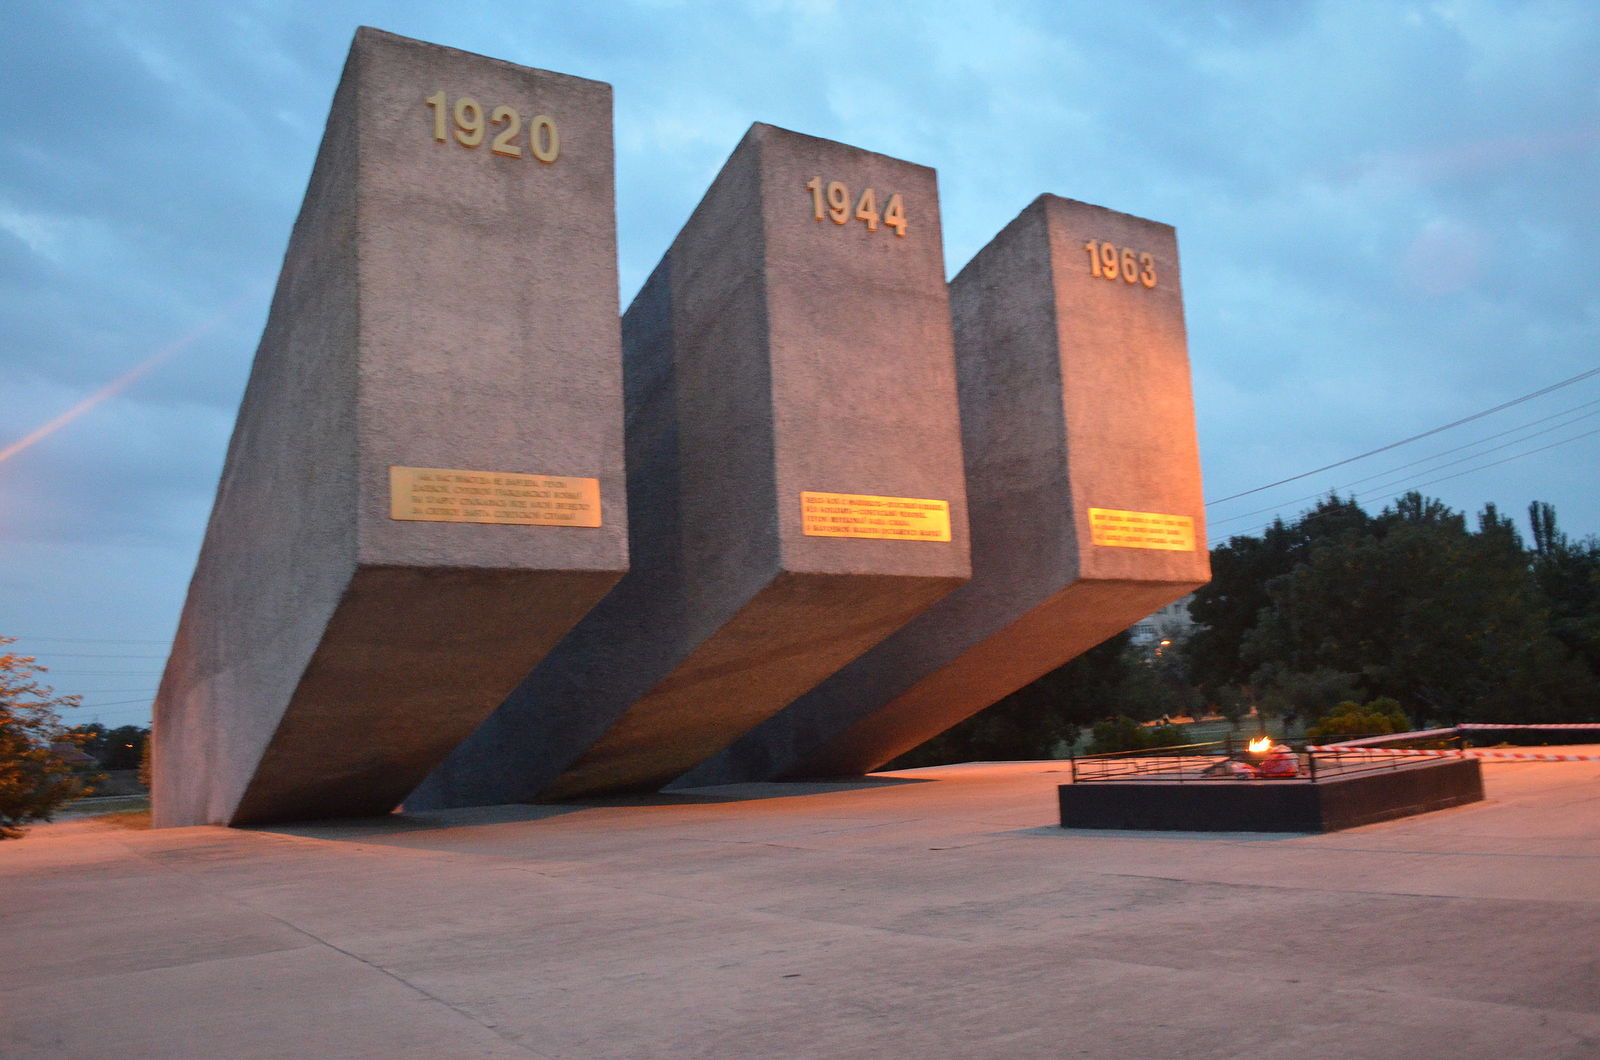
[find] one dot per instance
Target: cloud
(1387, 211)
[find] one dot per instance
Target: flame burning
(1260, 744)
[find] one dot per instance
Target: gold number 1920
(544, 142)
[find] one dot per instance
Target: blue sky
(1388, 215)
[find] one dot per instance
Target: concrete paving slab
(934, 912)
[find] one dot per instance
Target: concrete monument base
(1288, 805)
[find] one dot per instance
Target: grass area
(136, 820)
(1209, 729)
(107, 806)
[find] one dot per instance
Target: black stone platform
(1325, 805)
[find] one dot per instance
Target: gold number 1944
(832, 200)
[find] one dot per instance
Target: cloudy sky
(1388, 214)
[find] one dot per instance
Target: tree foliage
(1463, 622)
(1459, 620)
(1125, 734)
(1377, 718)
(1036, 721)
(34, 778)
(112, 749)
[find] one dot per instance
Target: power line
(1435, 456)
(1507, 460)
(1356, 498)
(53, 672)
(107, 714)
(1415, 437)
(90, 640)
(81, 655)
(113, 691)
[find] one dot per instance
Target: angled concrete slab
(1083, 479)
(424, 488)
(794, 475)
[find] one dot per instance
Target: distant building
(1170, 623)
(73, 755)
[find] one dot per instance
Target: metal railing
(1214, 760)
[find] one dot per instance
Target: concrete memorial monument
(1083, 478)
(424, 488)
(794, 477)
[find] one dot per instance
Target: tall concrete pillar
(424, 488)
(794, 475)
(1083, 478)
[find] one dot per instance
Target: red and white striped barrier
(1477, 727)
(1454, 730)
(1526, 756)
(1419, 734)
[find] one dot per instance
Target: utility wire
(1415, 437)
(114, 691)
(54, 673)
(1435, 456)
(1507, 460)
(1387, 491)
(90, 640)
(81, 655)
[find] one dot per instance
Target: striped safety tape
(1519, 755)
(1477, 727)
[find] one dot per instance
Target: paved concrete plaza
(930, 913)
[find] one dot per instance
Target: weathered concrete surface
(1074, 395)
(443, 307)
(769, 353)
(933, 913)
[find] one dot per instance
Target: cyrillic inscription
(859, 515)
(1119, 529)
(444, 495)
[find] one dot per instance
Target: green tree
(1377, 718)
(1233, 702)
(1302, 694)
(123, 747)
(1125, 734)
(34, 779)
(1568, 575)
(119, 748)
(1423, 608)
(1037, 719)
(1229, 608)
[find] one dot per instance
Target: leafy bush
(1375, 718)
(35, 780)
(1122, 733)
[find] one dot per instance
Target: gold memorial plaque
(442, 495)
(856, 515)
(1119, 529)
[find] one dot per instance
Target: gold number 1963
(1111, 262)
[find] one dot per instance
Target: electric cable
(1415, 437)
(1435, 456)
(1357, 498)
